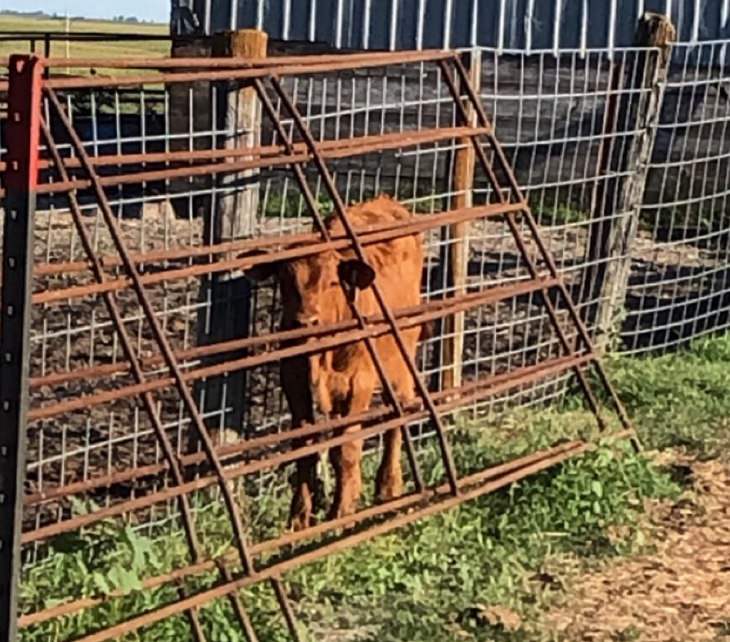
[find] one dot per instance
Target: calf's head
(315, 290)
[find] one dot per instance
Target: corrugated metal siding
(415, 24)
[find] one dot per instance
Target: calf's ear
(356, 274)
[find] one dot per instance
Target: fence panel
(570, 124)
(120, 442)
(553, 113)
(679, 286)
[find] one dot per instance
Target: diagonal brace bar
(147, 398)
(341, 211)
(519, 240)
(159, 335)
(546, 255)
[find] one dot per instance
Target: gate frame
(21, 179)
(458, 489)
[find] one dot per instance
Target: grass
(156, 49)
(680, 399)
(557, 214)
(291, 204)
(482, 572)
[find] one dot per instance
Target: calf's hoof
(300, 514)
(339, 511)
(389, 492)
(300, 522)
(388, 486)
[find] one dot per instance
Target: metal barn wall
(416, 24)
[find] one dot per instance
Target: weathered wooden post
(458, 251)
(239, 197)
(611, 236)
(226, 314)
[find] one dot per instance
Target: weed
(558, 214)
(293, 205)
(442, 578)
(410, 585)
(680, 399)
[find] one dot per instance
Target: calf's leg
(346, 458)
(389, 481)
(305, 484)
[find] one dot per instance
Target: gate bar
(341, 211)
(159, 334)
(546, 255)
(168, 450)
(509, 218)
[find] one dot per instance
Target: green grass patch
(680, 399)
(425, 582)
(292, 204)
(433, 580)
(442, 578)
(555, 214)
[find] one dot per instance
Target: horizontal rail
(270, 156)
(405, 502)
(191, 156)
(413, 226)
(328, 341)
(441, 499)
(314, 332)
(339, 64)
(278, 439)
(247, 63)
(208, 251)
(446, 401)
(329, 146)
(19, 34)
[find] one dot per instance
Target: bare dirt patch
(678, 593)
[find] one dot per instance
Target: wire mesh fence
(559, 117)
(550, 111)
(73, 336)
(158, 373)
(573, 124)
(678, 288)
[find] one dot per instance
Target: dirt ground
(680, 592)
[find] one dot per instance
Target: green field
(85, 49)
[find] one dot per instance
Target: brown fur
(342, 381)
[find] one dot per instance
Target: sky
(158, 10)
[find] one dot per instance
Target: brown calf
(319, 290)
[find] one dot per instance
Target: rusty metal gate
(114, 423)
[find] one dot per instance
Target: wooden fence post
(458, 252)
(238, 205)
(227, 313)
(611, 237)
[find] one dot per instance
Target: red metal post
(20, 179)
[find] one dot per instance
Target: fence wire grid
(103, 433)
(569, 123)
(549, 112)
